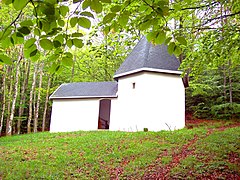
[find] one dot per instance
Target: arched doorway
(104, 114)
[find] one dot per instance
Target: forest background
(46, 43)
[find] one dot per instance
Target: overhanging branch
(197, 7)
(221, 17)
(19, 14)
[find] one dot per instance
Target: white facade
(74, 115)
(150, 100)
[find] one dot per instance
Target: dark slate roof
(146, 56)
(86, 90)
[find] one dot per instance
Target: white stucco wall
(156, 103)
(74, 114)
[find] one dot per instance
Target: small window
(133, 85)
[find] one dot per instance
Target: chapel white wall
(74, 115)
(156, 103)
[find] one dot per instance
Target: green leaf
(86, 13)
(160, 37)
(56, 44)
(6, 33)
(143, 8)
(106, 30)
(167, 40)
(109, 17)
(73, 21)
(177, 7)
(24, 30)
(182, 40)
(114, 27)
(106, 1)
(53, 68)
(29, 50)
(123, 20)
(171, 48)
(17, 38)
(78, 43)
(54, 25)
(12, 40)
(52, 1)
(68, 54)
(69, 43)
(76, 1)
(36, 56)
(177, 51)
(5, 59)
(19, 4)
(29, 43)
(53, 57)
(46, 44)
(84, 22)
(96, 6)
(116, 8)
(64, 10)
(59, 38)
(18, 34)
(45, 26)
(151, 36)
(7, 2)
(145, 25)
(6, 43)
(47, 9)
(67, 61)
(37, 32)
(33, 53)
(77, 35)
(86, 4)
(26, 23)
(61, 22)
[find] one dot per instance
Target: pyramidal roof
(148, 57)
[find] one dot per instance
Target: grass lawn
(204, 151)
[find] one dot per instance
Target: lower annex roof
(86, 90)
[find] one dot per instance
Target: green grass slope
(184, 153)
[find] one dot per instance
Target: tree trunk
(3, 89)
(31, 99)
(224, 82)
(46, 104)
(22, 96)
(38, 99)
(230, 82)
(8, 95)
(224, 67)
(15, 94)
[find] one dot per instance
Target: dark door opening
(104, 114)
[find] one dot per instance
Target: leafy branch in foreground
(55, 25)
(49, 26)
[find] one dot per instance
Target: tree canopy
(52, 25)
